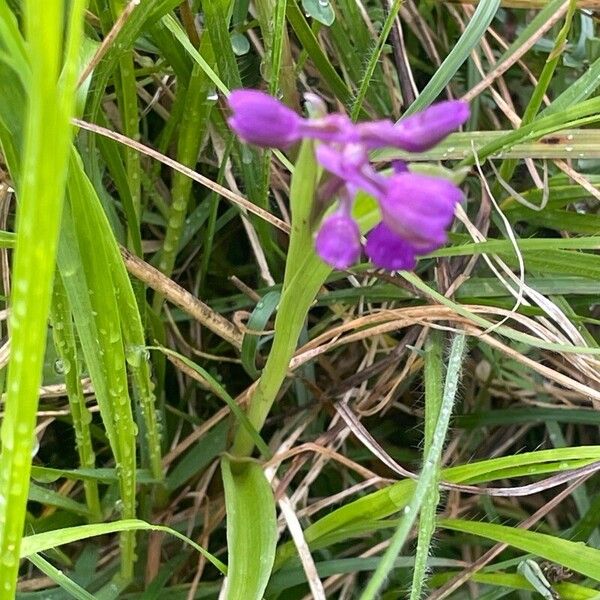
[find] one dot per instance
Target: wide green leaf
(251, 529)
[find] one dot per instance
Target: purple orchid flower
(416, 210)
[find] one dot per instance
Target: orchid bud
(338, 240)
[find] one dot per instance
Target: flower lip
(419, 208)
(263, 120)
(387, 250)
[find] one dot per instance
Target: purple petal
(387, 250)
(426, 129)
(262, 120)
(420, 208)
(418, 132)
(338, 241)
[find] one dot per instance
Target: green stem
(305, 273)
(433, 375)
(126, 87)
(193, 131)
(428, 473)
(293, 308)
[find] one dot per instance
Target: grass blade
(471, 36)
(41, 192)
(64, 341)
(373, 60)
(428, 472)
(433, 374)
(573, 555)
(40, 542)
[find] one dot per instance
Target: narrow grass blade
(311, 45)
(194, 130)
(471, 36)
(40, 542)
(567, 591)
(428, 472)
(257, 322)
(64, 341)
(365, 80)
(41, 193)
(508, 166)
(433, 375)
(220, 391)
(573, 555)
(125, 84)
(74, 590)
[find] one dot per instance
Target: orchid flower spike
(416, 210)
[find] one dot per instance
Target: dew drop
(62, 366)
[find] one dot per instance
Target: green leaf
(567, 591)
(387, 501)
(251, 529)
(74, 590)
(573, 555)
(40, 542)
(53, 498)
(257, 322)
(52, 45)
